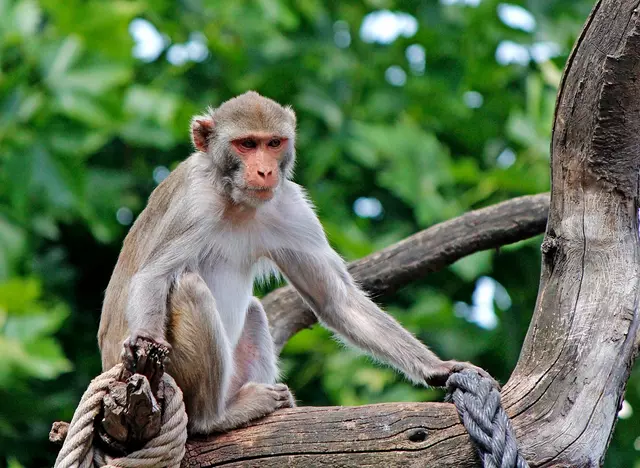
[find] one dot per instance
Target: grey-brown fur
(186, 271)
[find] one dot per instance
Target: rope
(166, 449)
(478, 404)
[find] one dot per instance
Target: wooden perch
(565, 392)
(418, 255)
(389, 434)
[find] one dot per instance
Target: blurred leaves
(85, 125)
(26, 328)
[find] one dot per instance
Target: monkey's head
(251, 141)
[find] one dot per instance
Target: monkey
(225, 216)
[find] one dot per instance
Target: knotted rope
(478, 404)
(166, 449)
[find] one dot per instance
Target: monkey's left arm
(321, 277)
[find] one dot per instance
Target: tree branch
(389, 434)
(416, 256)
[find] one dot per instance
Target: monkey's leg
(254, 357)
(201, 359)
(202, 364)
(253, 393)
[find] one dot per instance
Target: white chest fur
(234, 255)
(232, 288)
(229, 271)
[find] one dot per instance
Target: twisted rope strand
(480, 410)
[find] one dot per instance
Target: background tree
(410, 113)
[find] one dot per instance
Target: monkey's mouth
(263, 193)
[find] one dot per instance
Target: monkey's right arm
(321, 277)
(146, 310)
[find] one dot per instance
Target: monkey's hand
(145, 354)
(437, 377)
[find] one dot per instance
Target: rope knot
(166, 449)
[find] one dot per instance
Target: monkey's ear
(202, 128)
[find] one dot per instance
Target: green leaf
(38, 323)
(471, 267)
(54, 178)
(318, 103)
(46, 359)
(91, 80)
(57, 63)
(42, 359)
(27, 17)
(84, 109)
(143, 103)
(146, 133)
(18, 295)
(13, 463)
(12, 245)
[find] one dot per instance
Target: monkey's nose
(266, 175)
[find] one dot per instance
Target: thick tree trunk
(569, 382)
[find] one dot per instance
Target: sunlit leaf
(19, 295)
(46, 359)
(93, 80)
(27, 16)
(473, 266)
(148, 103)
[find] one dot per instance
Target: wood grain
(398, 434)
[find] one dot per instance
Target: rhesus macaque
(226, 215)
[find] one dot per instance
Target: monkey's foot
(253, 401)
(285, 396)
(269, 397)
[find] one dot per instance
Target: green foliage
(25, 343)
(85, 125)
(28, 349)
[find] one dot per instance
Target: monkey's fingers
(128, 356)
(154, 361)
(284, 397)
(442, 373)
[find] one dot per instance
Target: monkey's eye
(249, 143)
(275, 143)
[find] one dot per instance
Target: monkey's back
(139, 243)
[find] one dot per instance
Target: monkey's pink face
(261, 155)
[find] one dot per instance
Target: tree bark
(389, 434)
(565, 392)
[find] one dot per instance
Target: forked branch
(418, 255)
